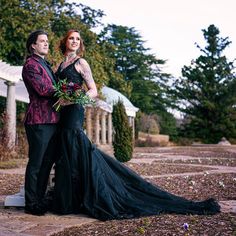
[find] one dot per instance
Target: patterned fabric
(40, 88)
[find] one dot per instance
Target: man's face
(41, 45)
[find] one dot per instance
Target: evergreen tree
(17, 19)
(123, 140)
(142, 81)
(168, 125)
(140, 69)
(206, 92)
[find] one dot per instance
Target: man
(40, 122)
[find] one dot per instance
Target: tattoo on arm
(88, 78)
(86, 73)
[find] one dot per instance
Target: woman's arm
(83, 67)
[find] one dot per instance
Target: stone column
(133, 126)
(130, 121)
(89, 122)
(109, 138)
(97, 127)
(103, 128)
(11, 114)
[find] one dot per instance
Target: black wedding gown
(91, 182)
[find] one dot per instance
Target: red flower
(64, 87)
(76, 87)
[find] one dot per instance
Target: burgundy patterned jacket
(38, 78)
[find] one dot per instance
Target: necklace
(70, 58)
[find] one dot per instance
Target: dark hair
(62, 45)
(32, 40)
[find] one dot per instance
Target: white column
(11, 114)
(109, 138)
(97, 127)
(103, 128)
(133, 127)
(89, 122)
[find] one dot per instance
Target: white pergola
(10, 75)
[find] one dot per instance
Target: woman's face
(73, 42)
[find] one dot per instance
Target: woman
(89, 181)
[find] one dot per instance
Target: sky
(172, 27)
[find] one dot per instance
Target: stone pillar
(133, 126)
(89, 122)
(130, 120)
(109, 138)
(103, 128)
(97, 127)
(11, 114)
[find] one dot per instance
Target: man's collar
(37, 57)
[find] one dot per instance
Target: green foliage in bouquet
(71, 92)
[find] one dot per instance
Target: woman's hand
(63, 102)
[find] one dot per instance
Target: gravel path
(176, 169)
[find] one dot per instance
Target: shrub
(147, 123)
(150, 142)
(20, 150)
(232, 141)
(184, 142)
(123, 140)
(5, 152)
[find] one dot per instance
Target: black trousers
(43, 152)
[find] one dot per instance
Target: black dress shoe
(35, 210)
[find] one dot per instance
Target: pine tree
(123, 141)
(140, 69)
(206, 92)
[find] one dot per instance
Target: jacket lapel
(47, 67)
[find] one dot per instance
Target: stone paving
(14, 222)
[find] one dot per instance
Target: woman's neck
(70, 56)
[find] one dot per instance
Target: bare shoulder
(82, 66)
(82, 62)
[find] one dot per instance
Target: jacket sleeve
(33, 76)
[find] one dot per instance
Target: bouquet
(72, 93)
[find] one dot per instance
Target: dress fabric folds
(89, 181)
